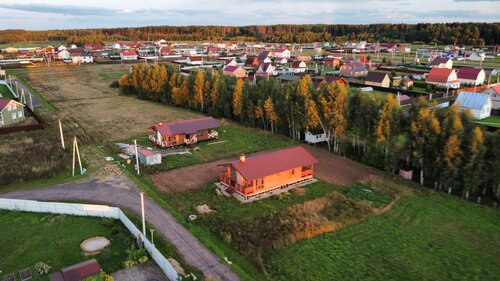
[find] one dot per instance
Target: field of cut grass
(492, 121)
(422, 238)
(28, 238)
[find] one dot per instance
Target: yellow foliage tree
(238, 99)
(271, 115)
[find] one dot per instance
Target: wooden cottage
(265, 172)
(184, 132)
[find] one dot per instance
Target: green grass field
(27, 238)
(5, 92)
(111, 76)
(492, 121)
(41, 44)
(422, 238)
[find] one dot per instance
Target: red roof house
(265, 172)
(471, 76)
(443, 78)
(236, 71)
(184, 132)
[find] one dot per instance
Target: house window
(293, 171)
(14, 107)
(9, 108)
(14, 116)
(20, 114)
(306, 168)
(199, 132)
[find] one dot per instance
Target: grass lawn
(422, 238)
(492, 121)
(111, 76)
(233, 140)
(5, 92)
(27, 238)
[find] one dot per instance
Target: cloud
(61, 9)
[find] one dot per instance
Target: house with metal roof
(269, 171)
(184, 132)
(443, 78)
(478, 103)
(471, 76)
(379, 79)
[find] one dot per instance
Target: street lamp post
(143, 216)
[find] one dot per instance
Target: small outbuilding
(77, 272)
(148, 157)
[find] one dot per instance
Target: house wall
(7, 118)
(495, 99)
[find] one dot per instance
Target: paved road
(120, 192)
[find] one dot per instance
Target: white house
(117, 46)
(298, 67)
(443, 78)
(61, 48)
(128, 55)
(194, 60)
(266, 69)
(478, 103)
(231, 63)
(471, 76)
(282, 53)
(316, 137)
(494, 93)
(280, 60)
(477, 56)
(64, 55)
(82, 58)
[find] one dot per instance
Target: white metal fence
(90, 210)
(6, 83)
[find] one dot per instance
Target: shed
(148, 157)
(77, 272)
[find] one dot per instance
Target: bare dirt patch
(192, 177)
(331, 168)
(338, 170)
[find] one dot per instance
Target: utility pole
(143, 216)
(137, 159)
(61, 133)
(76, 153)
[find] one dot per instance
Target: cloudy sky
(56, 14)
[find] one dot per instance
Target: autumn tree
(386, 125)
(238, 99)
(271, 115)
(425, 129)
(198, 89)
(334, 109)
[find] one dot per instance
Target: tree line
(440, 33)
(444, 147)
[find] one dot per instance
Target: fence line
(91, 210)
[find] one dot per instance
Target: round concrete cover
(94, 244)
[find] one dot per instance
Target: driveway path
(119, 191)
(34, 98)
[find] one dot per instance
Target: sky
(56, 14)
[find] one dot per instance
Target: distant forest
(441, 33)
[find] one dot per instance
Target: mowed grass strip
(28, 238)
(422, 238)
(5, 92)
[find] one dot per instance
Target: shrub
(42, 268)
(135, 256)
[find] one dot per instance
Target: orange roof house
(265, 172)
(184, 132)
(443, 78)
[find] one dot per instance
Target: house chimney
(242, 158)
